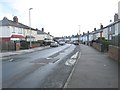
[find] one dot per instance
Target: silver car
(54, 44)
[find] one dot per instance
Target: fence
(17, 45)
(7, 46)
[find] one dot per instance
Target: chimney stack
(115, 17)
(94, 29)
(88, 32)
(42, 29)
(15, 19)
(83, 33)
(101, 26)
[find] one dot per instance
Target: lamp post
(30, 26)
(79, 34)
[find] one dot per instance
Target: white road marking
(49, 58)
(72, 60)
(11, 60)
(75, 56)
(66, 84)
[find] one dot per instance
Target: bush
(24, 44)
(105, 43)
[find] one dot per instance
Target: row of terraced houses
(105, 39)
(15, 35)
(13, 30)
(108, 32)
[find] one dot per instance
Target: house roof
(112, 24)
(7, 22)
(40, 32)
(99, 30)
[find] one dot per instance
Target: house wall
(116, 29)
(119, 28)
(94, 36)
(111, 32)
(90, 37)
(5, 31)
(105, 33)
(84, 38)
(26, 32)
(49, 37)
(40, 37)
(97, 35)
(34, 34)
(8, 31)
(15, 31)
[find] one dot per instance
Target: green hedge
(26, 44)
(105, 43)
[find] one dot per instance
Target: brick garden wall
(97, 46)
(114, 52)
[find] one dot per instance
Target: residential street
(56, 44)
(49, 68)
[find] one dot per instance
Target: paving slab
(94, 70)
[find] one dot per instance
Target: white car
(61, 43)
(54, 44)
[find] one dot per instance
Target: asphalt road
(40, 69)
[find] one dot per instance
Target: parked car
(54, 44)
(76, 43)
(62, 43)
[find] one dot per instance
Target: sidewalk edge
(66, 83)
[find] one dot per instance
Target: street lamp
(30, 26)
(79, 34)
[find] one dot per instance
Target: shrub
(24, 44)
(105, 43)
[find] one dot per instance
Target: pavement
(7, 54)
(93, 69)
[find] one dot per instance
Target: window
(13, 30)
(20, 30)
(110, 37)
(116, 29)
(110, 29)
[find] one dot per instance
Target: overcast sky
(61, 17)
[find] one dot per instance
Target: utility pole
(30, 26)
(79, 35)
